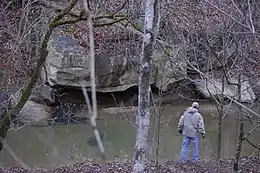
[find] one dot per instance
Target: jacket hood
(192, 110)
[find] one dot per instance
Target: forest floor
(246, 165)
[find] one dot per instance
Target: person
(190, 124)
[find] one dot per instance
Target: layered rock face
(213, 88)
(67, 64)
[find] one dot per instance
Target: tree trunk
(239, 127)
(238, 148)
(220, 116)
(143, 117)
(239, 90)
(9, 116)
(219, 130)
(158, 130)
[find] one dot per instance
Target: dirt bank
(247, 165)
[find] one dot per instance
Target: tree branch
(232, 18)
(235, 5)
(83, 17)
(253, 145)
(108, 23)
(9, 116)
(93, 85)
(251, 131)
(250, 17)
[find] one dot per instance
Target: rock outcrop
(43, 94)
(37, 110)
(34, 113)
(213, 87)
(67, 64)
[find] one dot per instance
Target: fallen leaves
(247, 165)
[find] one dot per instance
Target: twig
(253, 145)
(129, 122)
(250, 17)
(235, 5)
(109, 23)
(120, 7)
(83, 17)
(217, 8)
(251, 131)
(6, 7)
(227, 109)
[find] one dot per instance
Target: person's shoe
(194, 161)
(184, 162)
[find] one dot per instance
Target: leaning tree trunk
(143, 117)
(43, 52)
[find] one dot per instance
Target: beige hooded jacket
(191, 123)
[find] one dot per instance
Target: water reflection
(51, 146)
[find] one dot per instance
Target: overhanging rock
(67, 64)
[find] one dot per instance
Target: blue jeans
(185, 148)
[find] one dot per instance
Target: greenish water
(65, 144)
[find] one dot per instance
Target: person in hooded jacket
(191, 124)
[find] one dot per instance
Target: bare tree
(65, 16)
(143, 117)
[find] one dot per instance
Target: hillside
(205, 31)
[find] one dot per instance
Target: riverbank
(247, 165)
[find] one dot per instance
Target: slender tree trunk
(158, 129)
(219, 129)
(239, 90)
(240, 127)
(93, 110)
(220, 116)
(238, 148)
(143, 117)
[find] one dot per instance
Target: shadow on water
(73, 141)
(62, 117)
(92, 140)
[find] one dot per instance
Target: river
(51, 146)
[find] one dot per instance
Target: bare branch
(235, 5)
(250, 17)
(129, 122)
(108, 23)
(8, 116)
(93, 82)
(239, 104)
(232, 18)
(252, 131)
(120, 7)
(253, 145)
